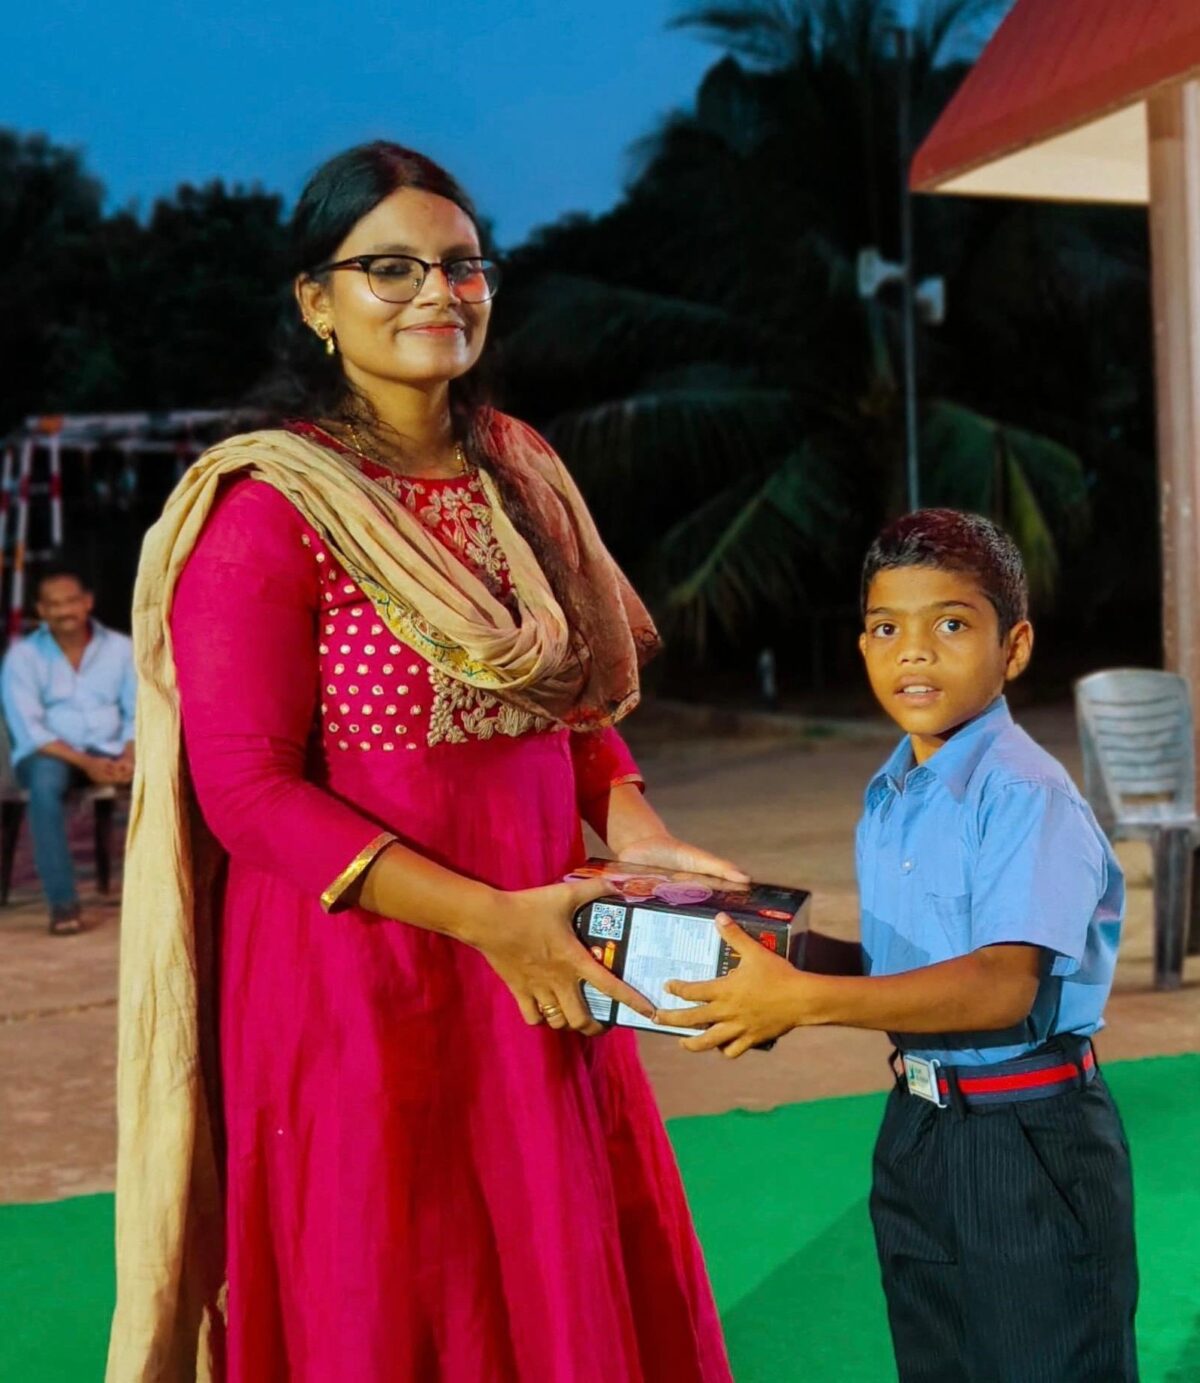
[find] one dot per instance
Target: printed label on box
(600, 1005)
(667, 946)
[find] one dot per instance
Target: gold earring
(325, 332)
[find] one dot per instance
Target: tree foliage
(699, 354)
(113, 312)
(730, 405)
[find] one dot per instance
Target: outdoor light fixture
(931, 300)
(925, 300)
(875, 272)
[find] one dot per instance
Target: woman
(381, 651)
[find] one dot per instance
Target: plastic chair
(13, 799)
(1139, 771)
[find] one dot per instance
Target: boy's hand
(755, 1002)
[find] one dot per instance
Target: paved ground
(784, 808)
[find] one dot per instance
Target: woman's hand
(530, 943)
(663, 850)
(636, 834)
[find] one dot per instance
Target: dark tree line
(110, 312)
(699, 353)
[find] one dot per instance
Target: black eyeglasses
(399, 278)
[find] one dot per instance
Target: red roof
(1054, 65)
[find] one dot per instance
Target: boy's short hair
(949, 540)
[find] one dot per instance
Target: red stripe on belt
(1021, 1080)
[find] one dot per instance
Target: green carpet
(780, 1201)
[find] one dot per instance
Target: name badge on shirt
(921, 1077)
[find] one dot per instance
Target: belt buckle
(922, 1079)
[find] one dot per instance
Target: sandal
(65, 922)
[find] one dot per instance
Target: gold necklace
(460, 456)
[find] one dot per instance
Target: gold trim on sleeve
(628, 778)
(356, 866)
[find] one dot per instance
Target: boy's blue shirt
(989, 841)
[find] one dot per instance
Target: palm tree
(727, 402)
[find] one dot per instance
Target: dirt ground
(784, 808)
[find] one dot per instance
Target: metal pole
(17, 595)
(56, 507)
(5, 504)
(909, 281)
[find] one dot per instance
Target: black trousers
(1005, 1236)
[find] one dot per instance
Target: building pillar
(1174, 131)
(1174, 158)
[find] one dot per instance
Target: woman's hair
(305, 381)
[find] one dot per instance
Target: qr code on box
(607, 922)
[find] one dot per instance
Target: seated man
(68, 692)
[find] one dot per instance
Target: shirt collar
(953, 764)
(892, 774)
(43, 634)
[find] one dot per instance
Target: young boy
(991, 906)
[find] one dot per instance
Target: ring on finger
(550, 1012)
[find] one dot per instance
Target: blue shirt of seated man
(90, 707)
(68, 694)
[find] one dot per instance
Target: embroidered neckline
(375, 470)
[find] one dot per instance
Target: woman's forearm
(402, 885)
(630, 818)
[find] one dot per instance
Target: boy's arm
(763, 997)
(1038, 877)
(988, 990)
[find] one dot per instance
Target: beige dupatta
(572, 656)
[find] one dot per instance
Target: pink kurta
(420, 1186)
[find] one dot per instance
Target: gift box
(659, 925)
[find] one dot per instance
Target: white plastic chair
(1139, 772)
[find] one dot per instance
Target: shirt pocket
(951, 914)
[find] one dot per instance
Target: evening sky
(534, 104)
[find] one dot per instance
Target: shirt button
(906, 867)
